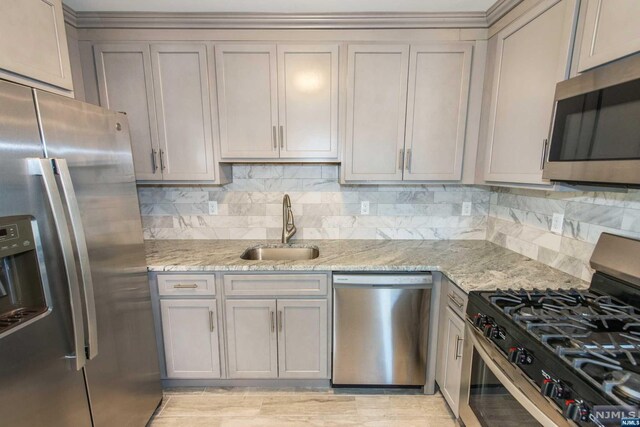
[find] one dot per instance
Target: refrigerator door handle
(44, 168)
(91, 331)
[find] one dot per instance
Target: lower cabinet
(277, 338)
(452, 360)
(190, 332)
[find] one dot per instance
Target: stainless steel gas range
(558, 357)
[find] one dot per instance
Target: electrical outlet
(466, 208)
(557, 223)
(364, 208)
(213, 208)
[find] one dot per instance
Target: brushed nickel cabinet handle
(185, 286)
(162, 167)
(211, 322)
(154, 164)
(273, 322)
(401, 159)
(281, 136)
(280, 320)
(455, 300)
(274, 136)
(458, 341)
(408, 162)
(545, 143)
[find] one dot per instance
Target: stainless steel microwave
(595, 136)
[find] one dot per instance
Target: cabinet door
(450, 387)
(251, 338)
(190, 332)
(438, 96)
(184, 114)
(302, 339)
(34, 43)
(611, 31)
(376, 107)
(532, 56)
(125, 84)
(308, 101)
(247, 100)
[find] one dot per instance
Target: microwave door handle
(44, 168)
(75, 219)
(519, 387)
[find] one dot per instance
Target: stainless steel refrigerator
(77, 343)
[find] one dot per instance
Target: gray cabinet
(450, 342)
(252, 344)
(530, 56)
(277, 326)
(33, 44)
(611, 31)
(190, 335)
(407, 111)
(125, 83)
(277, 101)
(181, 88)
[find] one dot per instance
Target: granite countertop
(471, 264)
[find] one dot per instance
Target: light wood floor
(300, 407)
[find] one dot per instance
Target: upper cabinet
(164, 89)
(33, 44)
(611, 31)
(532, 54)
(407, 132)
(125, 84)
(278, 101)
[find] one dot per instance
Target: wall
(520, 220)
(251, 208)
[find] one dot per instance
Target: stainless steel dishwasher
(381, 329)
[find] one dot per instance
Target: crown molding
(379, 20)
(499, 9)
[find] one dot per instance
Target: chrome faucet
(288, 226)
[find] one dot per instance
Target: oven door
(496, 393)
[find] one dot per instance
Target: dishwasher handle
(421, 280)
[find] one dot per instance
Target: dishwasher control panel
(382, 279)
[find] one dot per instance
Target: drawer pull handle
(211, 322)
(185, 286)
(455, 300)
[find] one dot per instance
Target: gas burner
(624, 385)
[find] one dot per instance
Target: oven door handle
(518, 386)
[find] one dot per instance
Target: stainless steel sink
(281, 253)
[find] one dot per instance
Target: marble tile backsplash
(251, 208)
(521, 220)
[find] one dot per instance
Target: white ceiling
(280, 6)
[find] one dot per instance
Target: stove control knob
(520, 356)
(576, 410)
(553, 389)
(479, 320)
(493, 331)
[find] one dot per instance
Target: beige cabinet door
(438, 95)
(125, 83)
(251, 338)
(308, 101)
(190, 332)
(376, 109)
(611, 31)
(452, 359)
(247, 100)
(181, 91)
(33, 42)
(302, 339)
(532, 55)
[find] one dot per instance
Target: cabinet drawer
(455, 297)
(186, 284)
(275, 285)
